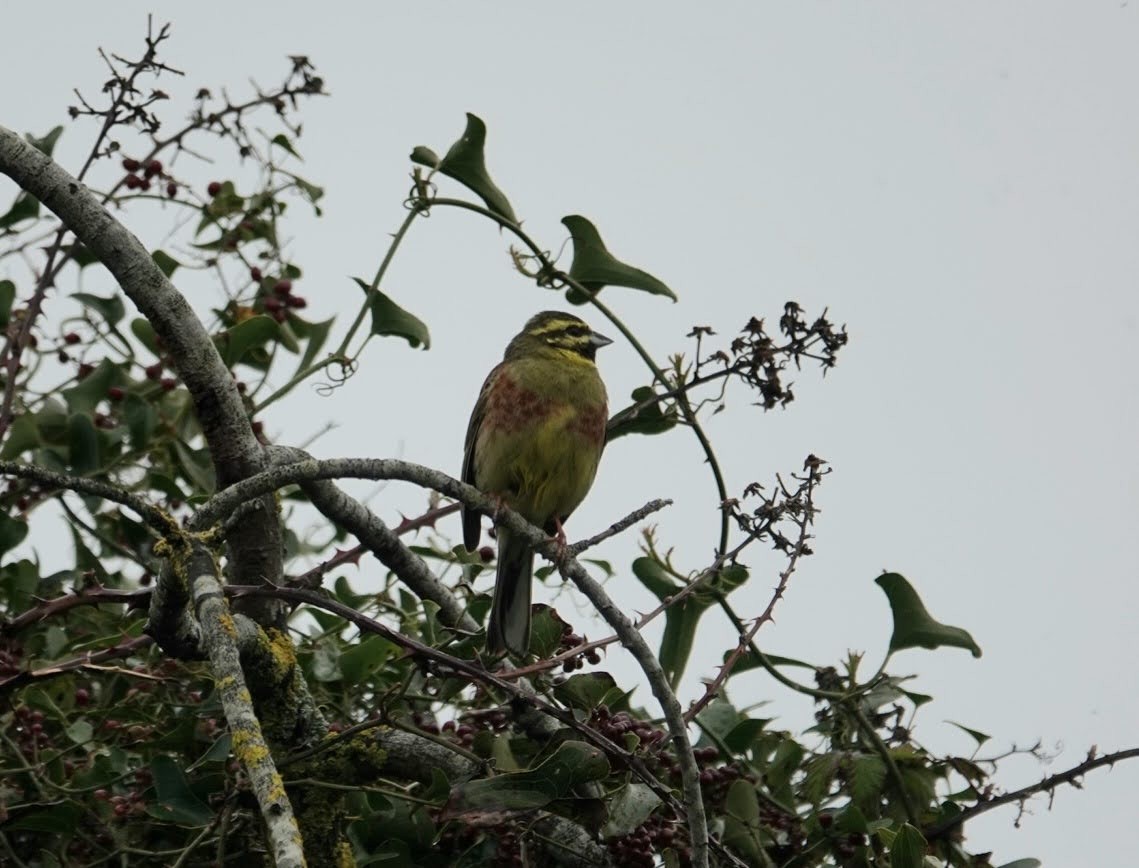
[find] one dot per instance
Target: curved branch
(1045, 786)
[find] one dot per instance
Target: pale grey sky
(956, 181)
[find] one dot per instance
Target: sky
(956, 182)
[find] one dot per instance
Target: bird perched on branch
(534, 442)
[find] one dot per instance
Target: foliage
(114, 747)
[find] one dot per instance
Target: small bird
(534, 442)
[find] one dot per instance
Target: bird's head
(554, 334)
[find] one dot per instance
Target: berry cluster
(277, 296)
(568, 642)
(639, 849)
(149, 172)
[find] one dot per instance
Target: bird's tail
(509, 626)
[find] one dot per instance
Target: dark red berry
(133, 182)
(168, 383)
(213, 188)
(153, 372)
(71, 338)
(63, 356)
(486, 554)
(171, 189)
(296, 301)
(154, 167)
(84, 371)
(258, 426)
(115, 393)
(255, 273)
(145, 185)
(131, 165)
(283, 286)
(82, 696)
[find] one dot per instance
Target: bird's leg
(559, 540)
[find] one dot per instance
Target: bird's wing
(472, 529)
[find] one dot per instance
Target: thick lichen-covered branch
(220, 639)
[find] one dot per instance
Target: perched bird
(534, 441)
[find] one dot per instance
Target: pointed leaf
(587, 690)
(166, 263)
(141, 420)
(629, 808)
(466, 163)
(388, 318)
(594, 266)
(573, 763)
(88, 392)
(144, 331)
(22, 436)
(1023, 863)
(975, 734)
(282, 141)
(46, 144)
(83, 444)
(424, 156)
(175, 801)
(908, 848)
(110, 308)
(914, 627)
(12, 532)
(638, 419)
(248, 334)
(25, 207)
(316, 334)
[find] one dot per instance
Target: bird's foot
(561, 547)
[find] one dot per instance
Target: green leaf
(311, 190)
(46, 144)
(110, 308)
(7, 297)
(636, 419)
(908, 848)
(594, 266)
(82, 444)
(175, 801)
(141, 420)
(363, 659)
(914, 627)
(466, 163)
(60, 816)
(12, 532)
(572, 764)
(976, 735)
(248, 334)
(144, 331)
(628, 809)
(22, 436)
(388, 318)
(867, 773)
(546, 632)
(743, 735)
(742, 824)
(88, 392)
(316, 333)
(282, 141)
(719, 717)
(587, 690)
(197, 467)
(26, 207)
(80, 732)
(1023, 863)
(166, 263)
(654, 577)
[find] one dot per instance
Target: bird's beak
(599, 340)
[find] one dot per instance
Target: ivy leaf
(976, 735)
(594, 266)
(388, 318)
(914, 627)
(908, 848)
(573, 763)
(466, 163)
(175, 800)
(282, 141)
